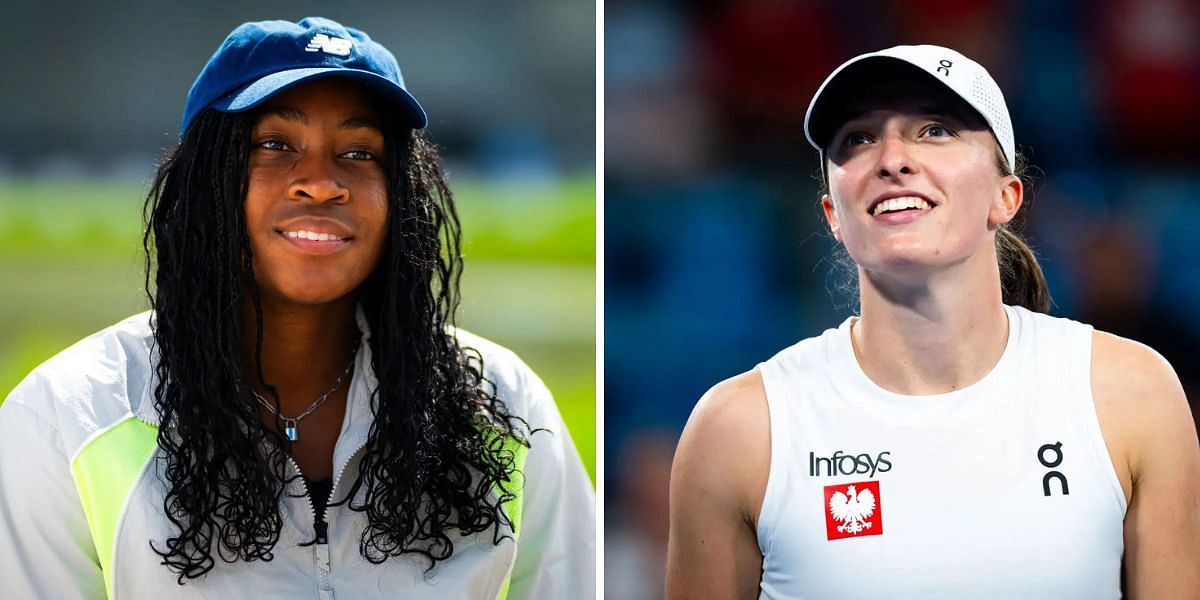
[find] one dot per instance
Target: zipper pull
(322, 559)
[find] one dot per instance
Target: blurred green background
(510, 92)
(71, 264)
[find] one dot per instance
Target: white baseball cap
(964, 77)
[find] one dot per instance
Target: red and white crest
(853, 510)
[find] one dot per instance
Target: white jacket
(98, 394)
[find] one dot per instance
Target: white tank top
(1003, 489)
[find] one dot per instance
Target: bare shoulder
(1151, 436)
(717, 483)
(732, 402)
(1131, 366)
(1141, 405)
(1135, 382)
(725, 447)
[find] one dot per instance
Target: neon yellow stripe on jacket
(514, 507)
(104, 471)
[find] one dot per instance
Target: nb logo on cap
(329, 45)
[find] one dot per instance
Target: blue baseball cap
(261, 59)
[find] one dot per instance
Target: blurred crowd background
(93, 95)
(716, 255)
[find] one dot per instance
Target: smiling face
(316, 205)
(914, 182)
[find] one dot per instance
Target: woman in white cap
(298, 416)
(951, 440)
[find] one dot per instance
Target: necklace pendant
(290, 429)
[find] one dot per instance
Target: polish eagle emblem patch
(853, 510)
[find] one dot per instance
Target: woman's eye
(856, 138)
(938, 131)
(359, 155)
(273, 145)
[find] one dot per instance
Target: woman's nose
(894, 157)
(316, 181)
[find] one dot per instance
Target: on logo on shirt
(853, 510)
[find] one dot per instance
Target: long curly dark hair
(436, 449)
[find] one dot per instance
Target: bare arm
(718, 481)
(1152, 438)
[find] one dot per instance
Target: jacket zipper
(320, 525)
(337, 478)
(321, 531)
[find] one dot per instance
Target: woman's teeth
(311, 235)
(902, 203)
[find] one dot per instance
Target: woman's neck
(305, 348)
(942, 333)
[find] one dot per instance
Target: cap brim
(828, 107)
(256, 92)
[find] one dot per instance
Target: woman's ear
(1008, 201)
(831, 216)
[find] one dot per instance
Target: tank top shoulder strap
(789, 380)
(1063, 349)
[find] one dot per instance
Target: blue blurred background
(93, 93)
(717, 255)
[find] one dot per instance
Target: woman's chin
(900, 258)
(310, 294)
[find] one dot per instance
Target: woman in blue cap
(297, 416)
(951, 441)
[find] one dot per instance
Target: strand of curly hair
(434, 463)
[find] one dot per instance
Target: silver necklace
(291, 425)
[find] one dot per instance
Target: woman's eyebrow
(943, 112)
(851, 116)
(294, 115)
(286, 113)
(361, 123)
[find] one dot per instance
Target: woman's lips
(901, 217)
